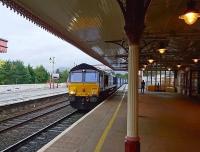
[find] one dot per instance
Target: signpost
(54, 76)
(3, 46)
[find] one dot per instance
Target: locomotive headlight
(94, 91)
(72, 92)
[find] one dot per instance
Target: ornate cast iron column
(134, 14)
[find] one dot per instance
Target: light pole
(52, 60)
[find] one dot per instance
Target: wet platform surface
(22, 93)
(167, 123)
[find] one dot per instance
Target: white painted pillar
(132, 109)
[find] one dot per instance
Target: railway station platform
(23, 93)
(167, 123)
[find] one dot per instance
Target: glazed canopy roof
(97, 28)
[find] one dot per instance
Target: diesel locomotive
(87, 86)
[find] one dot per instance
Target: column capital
(134, 15)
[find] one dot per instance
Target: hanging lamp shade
(195, 60)
(162, 48)
(150, 61)
(191, 14)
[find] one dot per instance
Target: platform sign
(3, 45)
(55, 76)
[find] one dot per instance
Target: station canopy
(97, 28)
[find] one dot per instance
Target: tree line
(124, 76)
(15, 72)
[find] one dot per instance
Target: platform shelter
(129, 35)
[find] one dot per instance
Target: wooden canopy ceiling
(97, 28)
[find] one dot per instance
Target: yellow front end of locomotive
(83, 89)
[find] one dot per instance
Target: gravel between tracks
(27, 129)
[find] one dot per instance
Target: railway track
(44, 135)
(16, 131)
(27, 133)
(16, 121)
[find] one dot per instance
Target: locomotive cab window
(91, 76)
(76, 77)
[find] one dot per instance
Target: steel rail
(23, 141)
(26, 113)
(36, 117)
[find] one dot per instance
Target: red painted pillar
(132, 144)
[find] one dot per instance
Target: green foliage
(6, 72)
(125, 76)
(14, 72)
(20, 73)
(63, 75)
(32, 74)
(41, 74)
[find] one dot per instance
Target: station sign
(3, 45)
(55, 76)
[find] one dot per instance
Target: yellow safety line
(107, 129)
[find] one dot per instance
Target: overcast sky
(34, 46)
